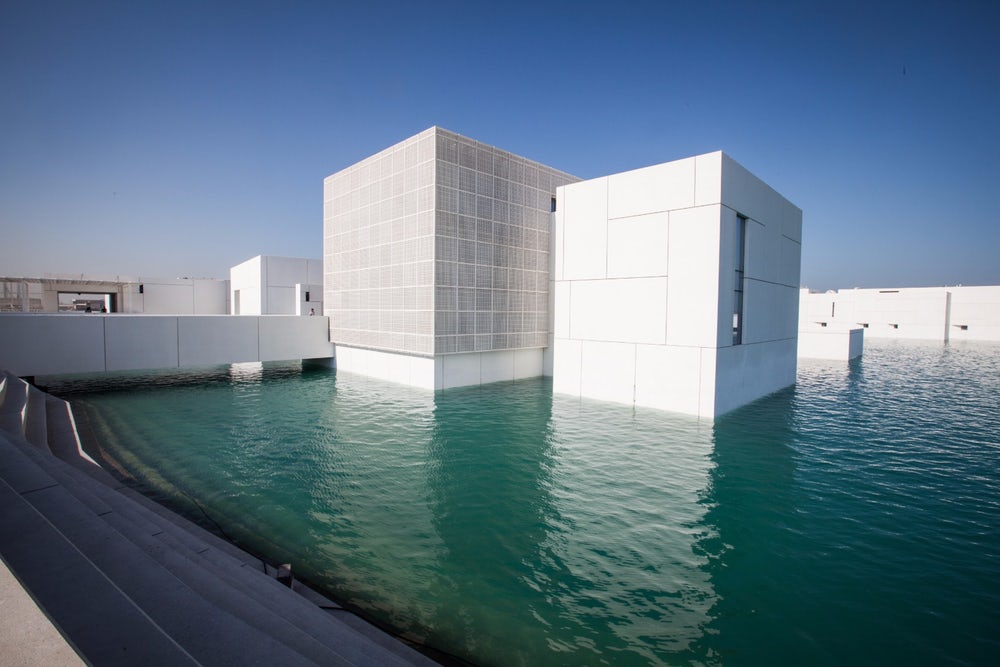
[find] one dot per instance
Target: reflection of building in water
(673, 286)
(749, 499)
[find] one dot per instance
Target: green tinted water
(854, 519)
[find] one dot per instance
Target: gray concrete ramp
(125, 581)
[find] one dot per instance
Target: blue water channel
(852, 519)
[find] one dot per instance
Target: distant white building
(674, 286)
(268, 285)
(919, 313)
(118, 294)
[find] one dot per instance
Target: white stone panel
(529, 363)
(748, 195)
(562, 308)
(51, 343)
(975, 313)
(285, 271)
(556, 255)
(496, 366)
(763, 246)
(693, 282)
(708, 179)
(211, 297)
(566, 366)
(830, 344)
(637, 246)
(770, 311)
(584, 232)
(662, 187)
(218, 339)
(607, 371)
(284, 338)
(247, 278)
(162, 298)
(399, 368)
(668, 378)
(790, 258)
(460, 370)
(422, 371)
(791, 222)
(745, 373)
(136, 342)
(626, 310)
(281, 300)
(707, 383)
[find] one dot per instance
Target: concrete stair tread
(208, 633)
(225, 582)
(69, 587)
(217, 590)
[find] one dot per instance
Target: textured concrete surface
(27, 637)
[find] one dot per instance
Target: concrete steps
(126, 580)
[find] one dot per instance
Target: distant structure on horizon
(449, 262)
(916, 313)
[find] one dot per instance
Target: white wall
(309, 299)
(51, 344)
(246, 282)
(269, 285)
(643, 281)
(923, 313)
(181, 296)
(977, 309)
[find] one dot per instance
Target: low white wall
(920, 313)
(975, 313)
(831, 344)
(54, 344)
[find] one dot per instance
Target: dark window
(739, 263)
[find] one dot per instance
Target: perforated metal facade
(439, 245)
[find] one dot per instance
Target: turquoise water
(853, 519)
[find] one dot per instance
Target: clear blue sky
(171, 139)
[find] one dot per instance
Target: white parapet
(55, 344)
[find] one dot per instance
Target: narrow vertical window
(739, 265)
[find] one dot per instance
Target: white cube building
(436, 255)
(269, 285)
(449, 262)
(676, 287)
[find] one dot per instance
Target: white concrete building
(921, 313)
(676, 287)
(54, 293)
(437, 262)
(268, 285)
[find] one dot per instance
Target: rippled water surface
(854, 519)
